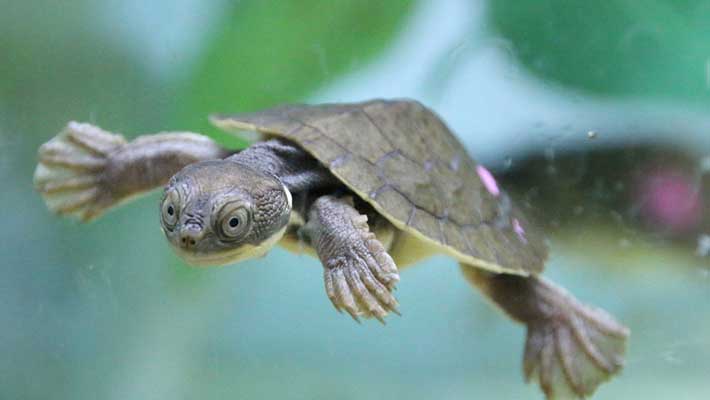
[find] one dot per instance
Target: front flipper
(570, 348)
(71, 173)
(84, 170)
(359, 274)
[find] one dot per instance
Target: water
(106, 310)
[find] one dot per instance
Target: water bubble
(670, 356)
(705, 165)
(549, 154)
(703, 249)
(508, 162)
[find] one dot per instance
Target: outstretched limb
(84, 170)
(359, 274)
(571, 347)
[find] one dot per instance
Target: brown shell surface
(400, 157)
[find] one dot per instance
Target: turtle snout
(190, 235)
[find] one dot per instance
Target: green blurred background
(106, 311)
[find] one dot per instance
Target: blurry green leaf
(57, 67)
(272, 52)
(655, 48)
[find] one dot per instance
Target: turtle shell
(400, 157)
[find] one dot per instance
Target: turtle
(369, 188)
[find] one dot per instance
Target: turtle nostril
(189, 238)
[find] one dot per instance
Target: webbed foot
(575, 348)
(361, 278)
(359, 274)
(71, 173)
(571, 348)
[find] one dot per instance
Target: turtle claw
(573, 350)
(352, 286)
(359, 275)
(71, 169)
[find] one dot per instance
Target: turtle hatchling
(369, 188)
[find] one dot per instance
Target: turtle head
(220, 212)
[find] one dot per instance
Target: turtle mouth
(218, 258)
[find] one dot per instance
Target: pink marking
(672, 200)
(517, 228)
(488, 180)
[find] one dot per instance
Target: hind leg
(570, 348)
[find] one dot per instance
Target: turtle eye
(233, 221)
(169, 210)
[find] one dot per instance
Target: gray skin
(221, 206)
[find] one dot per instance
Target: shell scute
(400, 157)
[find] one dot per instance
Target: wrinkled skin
(220, 207)
(220, 212)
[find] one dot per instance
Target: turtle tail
(571, 348)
